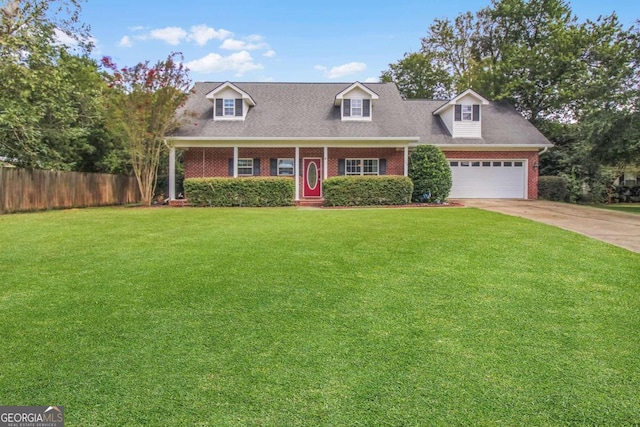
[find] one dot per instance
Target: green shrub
(367, 190)
(429, 170)
(553, 188)
(240, 191)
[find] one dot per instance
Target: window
(486, 164)
(475, 164)
(245, 167)
(506, 164)
(467, 113)
(362, 166)
(229, 107)
(517, 164)
(285, 167)
(453, 163)
(497, 164)
(356, 107)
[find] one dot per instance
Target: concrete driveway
(618, 228)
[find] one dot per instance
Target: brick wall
(210, 162)
(530, 156)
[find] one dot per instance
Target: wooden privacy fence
(29, 190)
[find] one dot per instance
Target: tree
(562, 75)
(429, 170)
(419, 76)
(49, 96)
(143, 104)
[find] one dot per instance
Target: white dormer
(230, 102)
(463, 115)
(355, 103)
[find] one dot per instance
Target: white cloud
(252, 42)
(125, 42)
(171, 35)
(65, 39)
(239, 62)
(270, 53)
(62, 38)
(201, 34)
(342, 70)
(371, 80)
(138, 28)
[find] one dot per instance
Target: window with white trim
(285, 167)
(356, 107)
(362, 166)
(229, 107)
(245, 167)
(467, 113)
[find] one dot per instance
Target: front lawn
(293, 317)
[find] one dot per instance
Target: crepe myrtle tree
(143, 103)
(430, 173)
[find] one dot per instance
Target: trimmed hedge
(367, 190)
(553, 188)
(256, 191)
(431, 175)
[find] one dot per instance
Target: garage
(488, 179)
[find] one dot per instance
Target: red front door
(312, 186)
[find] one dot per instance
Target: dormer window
(356, 107)
(356, 102)
(229, 107)
(467, 113)
(230, 102)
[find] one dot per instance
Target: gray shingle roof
(304, 110)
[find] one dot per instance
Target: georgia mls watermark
(31, 416)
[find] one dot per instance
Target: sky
(283, 41)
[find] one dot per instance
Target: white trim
(487, 147)
(293, 138)
(457, 98)
(356, 142)
(211, 95)
(406, 161)
(340, 95)
(325, 162)
(235, 161)
(296, 173)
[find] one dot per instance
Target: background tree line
(577, 82)
(60, 109)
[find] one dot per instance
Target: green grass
(630, 208)
(293, 317)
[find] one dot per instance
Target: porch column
(172, 173)
(325, 162)
(406, 161)
(235, 162)
(296, 173)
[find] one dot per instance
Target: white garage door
(488, 179)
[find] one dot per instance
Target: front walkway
(618, 228)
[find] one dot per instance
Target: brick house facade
(235, 130)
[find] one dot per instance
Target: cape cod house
(312, 131)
